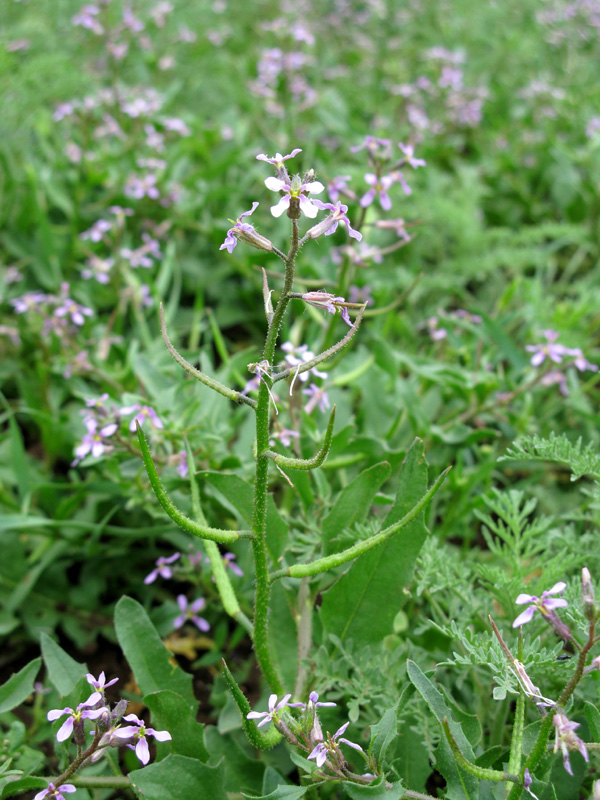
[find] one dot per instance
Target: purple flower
(554, 352)
(98, 268)
(143, 413)
(313, 702)
(329, 225)
(99, 685)
(55, 791)
(396, 225)
(139, 186)
(229, 561)
(373, 145)
(556, 377)
(323, 749)
(318, 397)
(138, 732)
(361, 294)
(28, 301)
(580, 361)
(297, 190)
(76, 311)
(328, 302)
(278, 160)
(162, 568)
(544, 604)
(285, 436)
(183, 468)
(93, 441)
(143, 255)
(339, 186)
(75, 716)
(246, 232)
(409, 154)
(190, 613)
(97, 231)
(274, 708)
(566, 739)
(296, 356)
(379, 186)
(87, 19)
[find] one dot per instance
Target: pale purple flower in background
(55, 792)
(329, 225)
(27, 302)
(74, 310)
(144, 296)
(229, 561)
(398, 176)
(328, 302)
(554, 352)
(373, 145)
(75, 716)
(98, 268)
(16, 45)
(322, 750)
(120, 213)
(361, 294)
(130, 21)
(397, 225)
(338, 186)
(12, 275)
(556, 378)
(190, 612)
(278, 159)
(409, 154)
(462, 313)
(118, 50)
(379, 186)
(186, 35)
(93, 441)
(154, 139)
(159, 13)
(285, 436)
(139, 186)
(313, 702)
(580, 361)
(318, 397)
(566, 739)
(435, 332)
(593, 127)
(143, 412)
(274, 708)
(183, 469)
(96, 402)
(143, 255)
(297, 190)
(451, 78)
(86, 18)
(544, 604)
(97, 231)
(296, 356)
(63, 110)
(138, 732)
(162, 568)
(177, 125)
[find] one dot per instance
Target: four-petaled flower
(229, 561)
(75, 716)
(323, 749)
(55, 791)
(551, 350)
(329, 225)
(143, 413)
(93, 441)
(138, 732)
(544, 604)
(297, 190)
(318, 397)
(566, 739)
(379, 186)
(190, 612)
(274, 708)
(99, 685)
(161, 568)
(409, 153)
(278, 160)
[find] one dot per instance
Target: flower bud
(587, 591)
(320, 228)
(248, 235)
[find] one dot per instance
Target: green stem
(335, 560)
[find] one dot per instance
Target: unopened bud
(267, 298)
(118, 711)
(320, 228)
(587, 591)
(253, 238)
